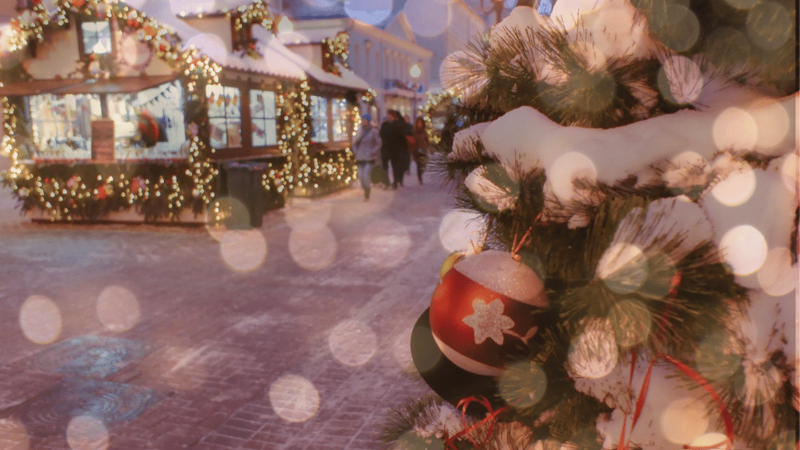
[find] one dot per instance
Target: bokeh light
(459, 230)
(226, 213)
(313, 250)
(728, 47)
(428, 17)
(40, 319)
(372, 12)
(13, 435)
(680, 79)
(744, 248)
(385, 243)
(522, 384)
(294, 398)
(772, 121)
(631, 322)
(307, 216)
(737, 188)
(593, 354)
(566, 169)
(623, 267)
(684, 420)
(735, 129)
(769, 25)
(713, 363)
(117, 308)
(790, 169)
(711, 441)
(243, 250)
(134, 52)
(352, 343)
(210, 45)
(777, 277)
(87, 433)
(678, 28)
(401, 350)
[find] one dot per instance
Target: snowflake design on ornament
(488, 321)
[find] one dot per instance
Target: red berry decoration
(483, 309)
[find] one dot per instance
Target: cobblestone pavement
(146, 337)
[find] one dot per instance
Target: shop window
(262, 115)
(62, 125)
(96, 37)
(340, 115)
(149, 124)
(225, 116)
(319, 119)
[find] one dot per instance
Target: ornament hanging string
(490, 419)
(517, 246)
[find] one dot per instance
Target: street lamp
(415, 71)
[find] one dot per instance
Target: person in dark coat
(394, 146)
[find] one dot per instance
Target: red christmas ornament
(78, 3)
(483, 309)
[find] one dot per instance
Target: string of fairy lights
(427, 110)
(338, 49)
(70, 196)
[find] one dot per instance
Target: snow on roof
(310, 36)
(161, 12)
(347, 79)
(273, 60)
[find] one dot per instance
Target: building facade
(398, 69)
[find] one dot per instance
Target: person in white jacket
(367, 147)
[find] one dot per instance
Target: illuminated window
(96, 37)
(224, 116)
(319, 119)
(62, 125)
(339, 114)
(149, 124)
(262, 115)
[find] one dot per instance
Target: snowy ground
(294, 336)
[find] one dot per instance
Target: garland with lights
(433, 103)
(337, 50)
(610, 294)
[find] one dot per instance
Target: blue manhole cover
(91, 356)
(50, 412)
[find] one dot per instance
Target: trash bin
(244, 184)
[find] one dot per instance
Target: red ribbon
(491, 419)
(697, 378)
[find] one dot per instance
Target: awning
(35, 87)
(121, 85)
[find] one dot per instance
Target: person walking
(366, 147)
(394, 146)
(419, 149)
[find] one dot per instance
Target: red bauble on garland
(484, 308)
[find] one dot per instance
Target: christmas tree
(634, 168)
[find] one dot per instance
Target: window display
(225, 116)
(319, 119)
(149, 124)
(262, 115)
(340, 115)
(96, 37)
(62, 125)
